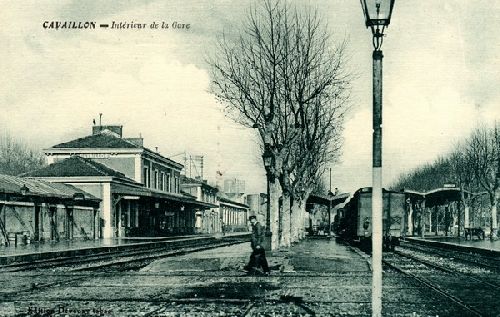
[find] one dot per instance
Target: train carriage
(356, 225)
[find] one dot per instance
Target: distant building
(257, 203)
(207, 220)
(234, 215)
(234, 186)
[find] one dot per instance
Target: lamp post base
(267, 240)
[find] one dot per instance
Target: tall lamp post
(377, 16)
(330, 197)
(267, 157)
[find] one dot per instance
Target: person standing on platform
(258, 256)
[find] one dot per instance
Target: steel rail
(447, 270)
(435, 288)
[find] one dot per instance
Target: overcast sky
(441, 78)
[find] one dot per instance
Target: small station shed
(33, 210)
(320, 208)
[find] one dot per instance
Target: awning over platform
(34, 190)
(439, 196)
(326, 200)
(132, 189)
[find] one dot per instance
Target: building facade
(139, 188)
(207, 220)
(234, 215)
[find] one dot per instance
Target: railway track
(467, 257)
(116, 262)
(106, 259)
(444, 280)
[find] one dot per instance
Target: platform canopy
(438, 196)
(442, 196)
(21, 189)
(325, 200)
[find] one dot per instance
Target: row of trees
(17, 157)
(284, 77)
(473, 165)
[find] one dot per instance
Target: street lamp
(377, 16)
(267, 157)
(24, 190)
(78, 196)
(330, 197)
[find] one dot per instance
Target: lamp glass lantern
(267, 156)
(78, 196)
(24, 190)
(377, 12)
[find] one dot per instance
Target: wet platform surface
(43, 247)
(68, 249)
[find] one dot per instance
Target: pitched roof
(106, 140)
(36, 187)
(187, 182)
(223, 199)
(75, 166)
(101, 141)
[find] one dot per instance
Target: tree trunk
(294, 225)
(408, 226)
(465, 203)
(493, 219)
(274, 193)
(304, 216)
(297, 223)
(422, 220)
(285, 221)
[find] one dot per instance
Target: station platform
(48, 250)
(485, 246)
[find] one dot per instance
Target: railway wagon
(356, 225)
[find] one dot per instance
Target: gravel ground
(319, 278)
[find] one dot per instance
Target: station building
(139, 188)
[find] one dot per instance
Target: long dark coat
(257, 235)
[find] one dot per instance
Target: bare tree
(320, 144)
(474, 165)
(278, 77)
(16, 157)
(483, 149)
(423, 178)
(463, 174)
